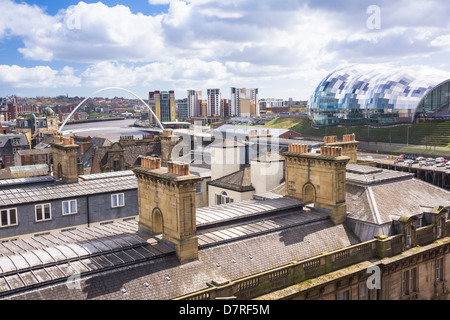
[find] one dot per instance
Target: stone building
(292, 243)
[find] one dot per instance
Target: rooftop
(26, 190)
(117, 261)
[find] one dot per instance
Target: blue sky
(284, 48)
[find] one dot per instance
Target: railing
(299, 271)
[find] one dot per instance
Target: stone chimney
(167, 204)
(65, 160)
(317, 178)
(168, 142)
(348, 144)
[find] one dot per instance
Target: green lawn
(427, 132)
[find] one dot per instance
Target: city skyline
(284, 49)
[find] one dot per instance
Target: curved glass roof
(376, 95)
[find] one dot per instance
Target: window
(117, 200)
(343, 295)
(198, 187)
(69, 207)
(440, 269)
(223, 198)
(362, 291)
(409, 281)
(8, 217)
(43, 212)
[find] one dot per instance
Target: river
(111, 130)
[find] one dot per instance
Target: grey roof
(238, 181)
(116, 262)
(48, 190)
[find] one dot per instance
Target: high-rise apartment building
(243, 93)
(163, 105)
(214, 102)
(194, 106)
(183, 109)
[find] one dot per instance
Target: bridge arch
(104, 89)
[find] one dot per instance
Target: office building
(162, 104)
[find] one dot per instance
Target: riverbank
(94, 120)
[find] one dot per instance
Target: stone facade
(167, 204)
(65, 161)
(317, 178)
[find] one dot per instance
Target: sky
(283, 47)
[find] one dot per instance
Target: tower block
(167, 204)
(348, 144)
(317, 178)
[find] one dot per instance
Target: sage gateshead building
(378, 96)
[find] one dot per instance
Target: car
(429, 163)
(422, 163)
(440, 159)
(420, 158)
(399, 160)
(447, 165)
(429, 160)
(403, 156)
(440, 164)
(409, 162)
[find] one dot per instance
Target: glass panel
(65, 207)
(12, 216)
(73, 206)
(114, 200)
(47, 211)
(121, 202)
(4, 217)
(38, 212)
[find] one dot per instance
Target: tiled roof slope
(238, 181)
(117, 261)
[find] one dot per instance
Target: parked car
(429, 163)
(447, 165)
(422, 163)
(440, 159)
(420, 158)
(409, 162)
(440, 164)
(429, 160)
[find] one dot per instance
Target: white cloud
(221, 43)
(37, 77)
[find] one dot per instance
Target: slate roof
(116, 262)
(46, 190)
(238, 181)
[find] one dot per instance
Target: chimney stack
(167, 204)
